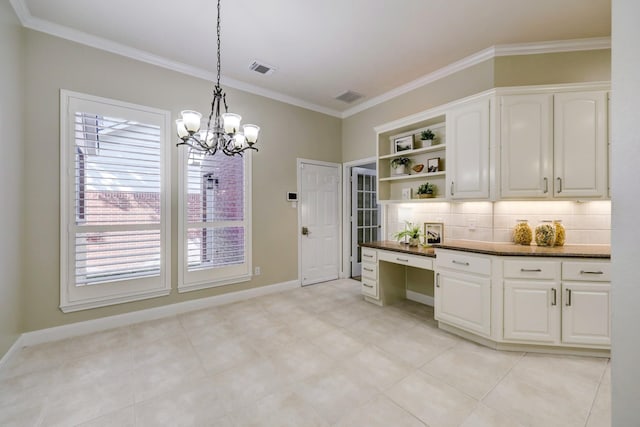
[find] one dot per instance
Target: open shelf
(406, 153)
(431, 200)
(414, 176)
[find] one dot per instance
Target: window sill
(212, 284)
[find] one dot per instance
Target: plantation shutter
(116, 217)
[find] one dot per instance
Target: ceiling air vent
(261, 67)
(349, 96)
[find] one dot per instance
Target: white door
(531, 311)
(365, 214)
(526, 137)
(586, 313)
(580, 144)
(319, 222)
(468, 151)
(464, 301)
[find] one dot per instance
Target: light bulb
(231, 123)
(251, 133)
(181, 129)
(191, 120)
(238, 140)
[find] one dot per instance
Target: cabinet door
(531, 311)
(468, 151)
(526, 138)
(580, 144)
(464, 301)
(586, 313)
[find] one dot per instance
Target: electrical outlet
(471, 224)
(257, 271)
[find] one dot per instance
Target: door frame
(299, 163)
(346, 212)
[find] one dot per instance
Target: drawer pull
(460, 262)
(368, 269)
(437, 280)
(590, 272)
(554, 301)
(367, 256)
(531, 270)
(368, 286)
(402, 259)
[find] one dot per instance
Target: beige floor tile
(418, 345)
(334, 394)
(26, 387)
(348, 314)
(282, 409)
(373, 329)
(167, 348)
(472, 368)
(374, 367)
(379, 412)
(431, 400)
(339, 344)
(91, 400)
(421, 311)
(27, 412)
(118, 338)
(125, 417)
(215, 332)
(151, 380)
(218, 356)
(201, 318)
(153, 330)
(95, 367)
(312, 327)
(299, 360)
(484, 416)
(36, 358)
(600, 415)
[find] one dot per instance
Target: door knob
(305, 231)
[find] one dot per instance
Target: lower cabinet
(531, 311)
(586, 313)
(369, 281)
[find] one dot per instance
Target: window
(115, 203)
(215, 226)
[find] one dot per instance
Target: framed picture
(433, 165)
(403, 144)
(433, 232)
(406, 194)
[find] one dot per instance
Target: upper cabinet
(468, 150)
(554, 145)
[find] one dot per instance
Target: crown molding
(37, 24)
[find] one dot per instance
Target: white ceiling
(320, 48)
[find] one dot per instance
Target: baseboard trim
(421, 298)
(96, 325)
(17, 345)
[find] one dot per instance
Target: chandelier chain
(218, 31)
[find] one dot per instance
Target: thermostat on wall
(292, 196)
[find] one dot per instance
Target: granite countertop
(501, 249)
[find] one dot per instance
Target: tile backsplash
(585, 222)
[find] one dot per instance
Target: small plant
(400, 161)
(413, 232)
(427, 135)
(426, 188)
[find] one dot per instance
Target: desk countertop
(501, 249)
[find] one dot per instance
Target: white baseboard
(96, 325)
(17, 345)
(421, 298)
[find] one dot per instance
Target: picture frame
(433, 165)
(433, 233)
(404, 143)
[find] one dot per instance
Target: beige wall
(287, 133)
(553, 68)
(11, 171)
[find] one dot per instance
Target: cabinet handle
(451, 189)
(546, 185)
(402, 260)
(437, 280)
(367, 256)
(368, 286)
(460, 262)
(368, 269)
(554, 301)
(568, 303)
(531, 270)
(590, 272)
(559, 184)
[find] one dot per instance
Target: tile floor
(316, 356)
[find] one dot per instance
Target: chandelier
(223, 130)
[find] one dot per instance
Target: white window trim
(74, 299)
(207, 278)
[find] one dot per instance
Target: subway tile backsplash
(586, 222)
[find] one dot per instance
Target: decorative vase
(399, 170)
(425, 196)
(414, 241)
(427, 142)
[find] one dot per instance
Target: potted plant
(425, 191)
(412, 232)
(399, 165)
(427, 137)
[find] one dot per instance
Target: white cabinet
(554, 145)
(369, 280)
(539, 308)
(463, 291)
(527, 145)
(468, 151)
(580, 144)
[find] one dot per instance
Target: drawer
(588, 271)
(406, 259)
(370, 270)
(532, 269)
(369, 255)
(461, 261)
(369, 287)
